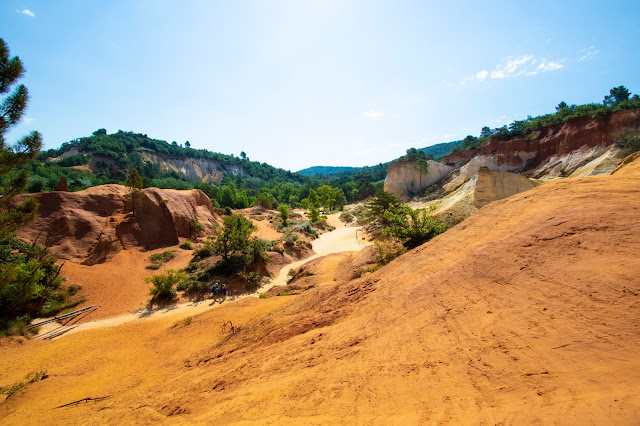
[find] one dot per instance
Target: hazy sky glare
(302, 83)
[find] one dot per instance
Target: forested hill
(438, 151)
(324, 170)
(229, 181)
(128, 148)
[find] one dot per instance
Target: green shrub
(163, 284)
(387, 251)
(187, 320)
(290, 239)
(29, 378)
(73, 289)
(253, 279)
(194, 285)
(411, 227)
(187, 245)
(630, 144)
(284, 293)
(195, 227)
(158, 259)
(263, 295)
(346, 217)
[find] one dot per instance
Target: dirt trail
(342, 239)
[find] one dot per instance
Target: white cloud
(26, 12)
(373, 115)
(589, 53)
(549, 66)
(524, 65)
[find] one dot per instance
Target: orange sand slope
(526, 312)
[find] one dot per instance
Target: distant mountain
(439, 150)
(324, 170)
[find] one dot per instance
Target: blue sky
(302, 83)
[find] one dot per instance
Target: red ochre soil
(527, 312)
(91, 226)
(527, 153)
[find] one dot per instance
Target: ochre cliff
(203, 169)
(92, 225)
(209, 171)
(495, 185)
(404, 180)
(520, 154)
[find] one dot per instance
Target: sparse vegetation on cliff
(619, 99)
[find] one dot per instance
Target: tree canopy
(28, 273)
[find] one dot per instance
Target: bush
(195, 227)
(163, 284)
(284, 293)
(346, 217)
(253, 279)
(377, 206)
(187, 245)
(193, 285)
(188, 320)
(29, 378)
(158, 259)
(630, 144)
(387, 251)
(290, 240)
(263, 295)
(29, 282)
(411, 227)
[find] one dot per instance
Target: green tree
(379, 204)
(24, 151)
(411, 227)
(562, 105)
(28, 273)
(616, 95)
(485, 132)
(187, 144)
(339, 200)
(313, 198)
(233, 237)
(134, 183)
(284, 213)
(313, 214)
(422, 167)
(325, 197)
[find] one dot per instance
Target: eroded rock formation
(92, 225)
(209, 171)
(403, 180)
(522, 154)
(495, 185)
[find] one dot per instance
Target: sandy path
(342, 239)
